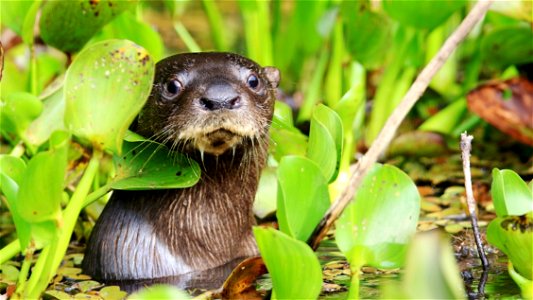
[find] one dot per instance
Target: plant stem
(217, 26)
(9, 251)
(186, 37)
(59, 246)
(466, 146)
(97, 194)
(24, 270)
(393, 122)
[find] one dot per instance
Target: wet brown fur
(151, 234)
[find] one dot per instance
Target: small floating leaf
(510, 194)
(105, 87)
(159, 292)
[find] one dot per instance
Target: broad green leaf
(526, 285)
(149, 165)
(368, 33)
(446, 120)
(41, 188)
(127, 26)
(293, 266)
(302, 196)
(105, 87)
(29, 23)
(13, 13)
(431, 270)
(422, 14)
(13, 167)
(514, 237)
(510, 194)
(17, 110)
(377, 226)
(68, 25)
(51, 119)
(506, 46)
(265, 199)
(285, 138)
(325, 141)
(160, 292)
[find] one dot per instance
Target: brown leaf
(507, 105)
(240, 283)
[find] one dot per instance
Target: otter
(216, 108)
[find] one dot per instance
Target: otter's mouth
(218, 141)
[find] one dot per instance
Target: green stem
(59, 246)
(186, 37)
(9, 251)
(313, 92)
(18, 150)
(353, 293)
(97, 194)
(38, 268)
(24, 270)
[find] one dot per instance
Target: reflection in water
(196, 281)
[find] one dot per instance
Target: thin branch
(393, 122)
(466, 147)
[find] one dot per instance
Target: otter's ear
(272, 74)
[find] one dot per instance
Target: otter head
(209, 102)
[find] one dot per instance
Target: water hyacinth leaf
(149, 165)
(160, 292)
(265, 200)
(41, 188)
(431, 271)
(68, 25)
(368, 33)
(446, 120)
(127, 26)
(325, 141)
(505, 46)
(302, 196)
(105, 87)
(293, 266)
(514, 236)
(526, 285)
(510, 194)
(381, 220)
(18, 110)
(285, 138)
(50, 120)
(422, 14)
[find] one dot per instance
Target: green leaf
(377, 226)
(18, 110)
(265, 199)
(510, 194)
(293, 266)
(431, 271)
(285, 138)
(149, 165)
(422, 14)
(159, 292)
(302, 196)
(325, 141)
(105, 87)
(446, 120)
(514, 237)
(505, 46)
(13, 13)
(68, 25)
(127, 26)
(526, 285)
(41, 188)
(51, 119)
(368, 34)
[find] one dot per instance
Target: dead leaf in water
(506, 105)
(240, 283)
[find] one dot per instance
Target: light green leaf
(265, 199)
(149, 165)
(13, 14)
(293, 266)
(302, 196)
(446, 120)
(510, 194)
(422, 14)
(159, 292)
(377, 226)
(68, 25)
(105, 87)
(18, 110)
(325, 141)
(505, 46)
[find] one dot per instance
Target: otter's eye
(172, 89)
(253, 81)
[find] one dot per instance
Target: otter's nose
(221, 95)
